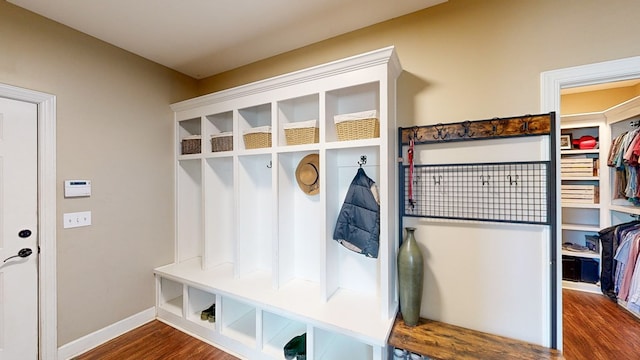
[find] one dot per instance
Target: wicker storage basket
(256, 138)
(360, 125)
(302, 132)
(191, 144)
(222, 142)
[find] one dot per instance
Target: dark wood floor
(595, 328)
(155, 341)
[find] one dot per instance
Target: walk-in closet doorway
(552, 84)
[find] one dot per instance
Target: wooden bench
(440, 341)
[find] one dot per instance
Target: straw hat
(308, 174)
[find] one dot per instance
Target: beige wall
(114, 127)
(470, 59)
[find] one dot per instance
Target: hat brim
(314, 161)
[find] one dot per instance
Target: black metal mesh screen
(498, 192)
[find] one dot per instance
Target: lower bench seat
(440, 341)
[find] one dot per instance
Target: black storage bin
(589, 271)
(580, 269)
(571, 268)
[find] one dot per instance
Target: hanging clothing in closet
(620, 276)
(623, 156)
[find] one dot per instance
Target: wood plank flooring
(155, 341)
(595, 328)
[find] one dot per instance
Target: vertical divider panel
(275, 125)
(259, 326)
(185, 301)
(388, 200)
(332, 203)
(276, 236)
(311, 348)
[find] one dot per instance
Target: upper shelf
(579, 152)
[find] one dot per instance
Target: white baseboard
(88, 342)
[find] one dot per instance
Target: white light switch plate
(77, 219)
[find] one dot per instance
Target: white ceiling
(201, 38)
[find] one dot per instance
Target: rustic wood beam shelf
(527, 125)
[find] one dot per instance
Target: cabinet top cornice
(370, 59)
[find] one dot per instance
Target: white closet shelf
(580, 205)
(582, 254)
(347, 312)
(578, 152)
(634, 210)
(588, 178)
(580, 227)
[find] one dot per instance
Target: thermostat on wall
(77, 188)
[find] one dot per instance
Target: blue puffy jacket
(358, 225)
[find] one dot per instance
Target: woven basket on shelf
(222, 142)
(358, 129)
(191, 145)
(305, 132)
(300, 136)
(358, 125)
(257, 138)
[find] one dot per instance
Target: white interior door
(18, 235)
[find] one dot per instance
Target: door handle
(23, 253)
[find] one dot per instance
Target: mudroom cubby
(239, 321)
(189, 204)
(198, 301)
(329, 345)
(299, 240)
(170, 296)
(219, 242)
(277, 331)
(257, 240)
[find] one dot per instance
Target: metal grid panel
(498, 192)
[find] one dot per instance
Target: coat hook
(443, 133)
(270, 165)
(466, 126)
(414, 136)
(495, 122)
(526, 123)
(363, 160)
(485, 181)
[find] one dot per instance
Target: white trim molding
(48, 329)
(551, 82)
(105, 334)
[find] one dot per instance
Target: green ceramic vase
(410, 278)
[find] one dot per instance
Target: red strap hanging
(410, 156)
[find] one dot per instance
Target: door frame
(550, 84)
(47, 297)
